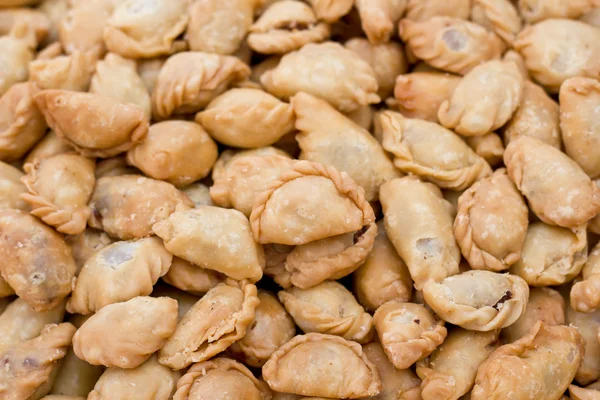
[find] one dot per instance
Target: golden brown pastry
(423, 10)
(418, 221)
(141, 29)
(179, 152)
(247, 118)
(488, 146)
(512, 55)
(214, 238)
(82, 27)
(557, 189)
(337, 206)
(185, 301)
(537, 116)
(217, 320)
(127, 206)
(286, 26)
(557, 49)
(35, 19)
(588, 325)
(491, 223)
(68, 72)
(21, 123)
(229, 157)
(149, 381)
(450, 44)
(59, 189)
(220, 378)
(326, 70)
(86, 243)
(408, 332)
(537, 10)
(538, 366)
(16, 51)
(322, 365)
(119, 273)
(328, 137)
(498, 16)
(585, 294)
(484, 100)
(430, 151)
(11, 188)
(41, 266)
(188, 81)
(49, 146)
(272, 327)
(449, 372)
(379, 17)
(331, 10)
(478, 300)
(124, 335)
(191, 278)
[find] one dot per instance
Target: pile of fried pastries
(286, 199)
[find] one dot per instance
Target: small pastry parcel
(534, 11)
(68, 72)
(498, 16)
(423, 10)
(191, 278)
(588, 325)
(379, 18)
(331, 11)
(11, 188)
(585, 294)
(17, 49)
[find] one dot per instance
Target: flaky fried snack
(21, 123)
(188, 81)
(286, 26)
(499, 87)
(247, 118)
(68, 72)
(337, 205)
(579, 98)
(449, 372)
(585, 294)
(328, 308)
(138, 29)
(383, 276)
(179, 152)
(379, 17)
(426, 244)
(478, 300)
(423, 10)
(228, 158)
(588, 325)
(345, 80)
(214, 238)
(450, 44)
(557, 189)
(95, 125)
(149, 381)
(408, 332)
(87, 243)
(557, 49)
(551, 255)
(127, 206)
(498, 16)
(50, 145)
(491, 223)
(16, 51)
(322, 365)
(119, 273)
(430, 151)
(540, 365)
(11, 188)
(545, 305)
(59, 189)
(39, 264)
(220, 378)
(191, 278)
(331, 10)
(28, 365)
(272, 327)
(82, 27)
(537, 10)
(488, 146)
(125, 335)
(217, 320)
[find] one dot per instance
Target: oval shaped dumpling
(557, 49)
(119, 273)
(70, 72)
(450, 44)
(449, 372)
(59, 189)
(214, 238)
(534, 11)
(585, 294)
(191, 278)
(281, 214)
(491, 223)
(127, 206)
(272, 327)
(484, 99)
(328, 308)
(423, 10)
(328, 137)
(50, 145)
(326, 70)
(588, 325)
(478, 300)
(142, 29)
(188, 81)
(426, 244)
(540, 365)
(41, 267)
(431, 151)
(408, 332)
(11, 188)
(228, 158)
(551, 255)
(217, 320)
(322, 365)
(95, 125)
(498, 16)
(124, 335)
(557, 189)
(179, 152)
(82, 27)
(247, 118)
